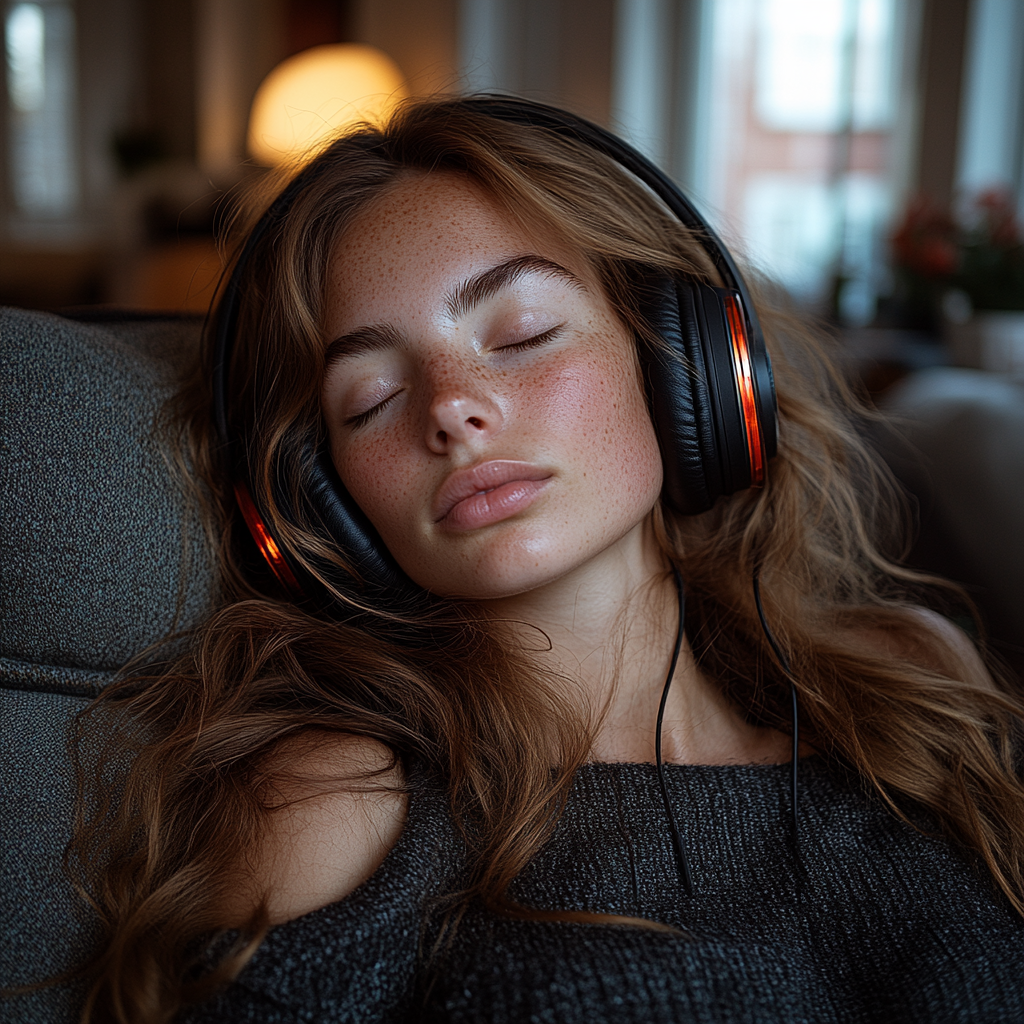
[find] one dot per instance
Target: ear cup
(711, 434)
(723, 374)
(377, 573)
(374, 580)
(331, 512)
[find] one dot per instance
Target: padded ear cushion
(377, 572)
(676, 378)
(692, 391)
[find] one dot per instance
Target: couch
(93, 556)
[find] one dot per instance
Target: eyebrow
(474, 291)
(457, 303)
(361, 340)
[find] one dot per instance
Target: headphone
(709, 383)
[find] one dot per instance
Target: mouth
(488, 493)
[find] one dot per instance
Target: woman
(423, 752)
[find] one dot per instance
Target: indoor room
(513, 510)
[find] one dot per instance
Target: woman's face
(482, 397)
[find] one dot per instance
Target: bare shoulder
(337, 809)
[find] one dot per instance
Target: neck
(611, 624)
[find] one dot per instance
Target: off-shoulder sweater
(871, 920)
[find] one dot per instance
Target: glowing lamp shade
(309, 98)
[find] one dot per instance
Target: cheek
(597, 413)
(379, 478)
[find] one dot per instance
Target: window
(800, 120)
(39, 45)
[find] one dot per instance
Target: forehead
(425, 235)
(442, 211)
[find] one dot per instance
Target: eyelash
(535, 342)
(364, 417)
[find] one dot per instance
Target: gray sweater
(881, 923)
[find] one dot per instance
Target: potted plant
(968, 277)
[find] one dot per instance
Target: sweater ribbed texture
(878, 922)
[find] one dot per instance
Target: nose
(459, 418)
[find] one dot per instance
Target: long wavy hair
(177, 754)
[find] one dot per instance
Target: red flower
(925, 243)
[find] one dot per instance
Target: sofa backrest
(100, 557)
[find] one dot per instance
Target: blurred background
(809, 130)
(866, 155)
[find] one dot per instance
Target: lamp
(307, 99)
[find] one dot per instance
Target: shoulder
(335, 807)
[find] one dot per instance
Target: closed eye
(534, 342)
(364, 417)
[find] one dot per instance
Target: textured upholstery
(93, 542)
(43, 926)
(98, 559)
(960, 451)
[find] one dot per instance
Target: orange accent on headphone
(267, 545)
(745, 383)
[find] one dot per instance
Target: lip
(488, 493)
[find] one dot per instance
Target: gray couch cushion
(93, 545)
(961, 452)
(99, 558)
(43, 925)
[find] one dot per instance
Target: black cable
(682, 863)
(784, 662)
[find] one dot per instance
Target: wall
(560, 51)
(422, 37)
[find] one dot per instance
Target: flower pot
(988, 341)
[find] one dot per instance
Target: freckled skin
(454, 399)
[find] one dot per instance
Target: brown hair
(186, 744)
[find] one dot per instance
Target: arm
(324, 846)
(329, 828)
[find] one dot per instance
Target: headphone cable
(794, 708)
(682, 862)
(678, 847)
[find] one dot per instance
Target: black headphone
(710, 386)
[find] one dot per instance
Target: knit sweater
(871, 919)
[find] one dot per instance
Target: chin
(484, 585)
(500, 571)
(491, 589)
